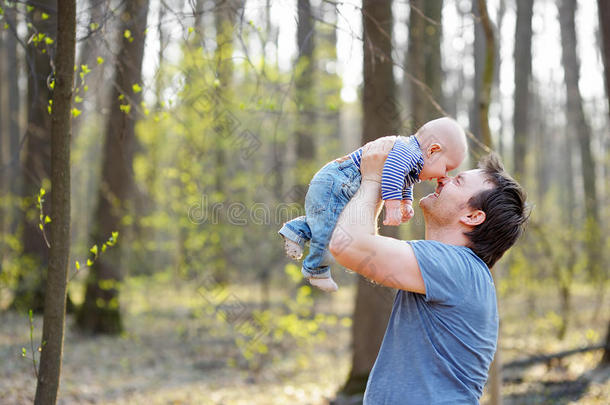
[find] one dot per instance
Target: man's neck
(449, 236)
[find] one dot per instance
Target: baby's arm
(396, 167)
(407, 203)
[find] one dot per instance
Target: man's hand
(407, 210)
(377, 152)
(393, 212)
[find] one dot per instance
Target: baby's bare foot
(292, 249)
(324, 284)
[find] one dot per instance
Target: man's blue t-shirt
(438, 347)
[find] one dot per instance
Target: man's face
(450, 200)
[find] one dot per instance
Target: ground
(180, 349)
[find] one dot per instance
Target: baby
(437, 148)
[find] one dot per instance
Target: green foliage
(95, 253)
(211, 150)
(42, 218)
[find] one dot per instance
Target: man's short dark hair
(506, 212)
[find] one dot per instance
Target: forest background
(195, 128)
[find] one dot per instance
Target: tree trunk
(100, 313)
(496, 81)
(484, 99)
(29, 293)
(225, 13)
(488, 73)
(380, 118)
(55, 300)
(578, 123)
(603, 7)
(604, 16)
(9, 119)
(3, 134)
(304, 70)
(523, 72)
(479, 66)
(14, 106)
(424, 60)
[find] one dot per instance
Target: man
(442, 333)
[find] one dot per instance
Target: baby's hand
(407, 210)
(393, 212)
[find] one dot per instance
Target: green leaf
(78, 99)
(45, 16)
(29, 8)
(126, 108)
(89, 262)
(94, 250)
(100, 60)
(47, 219)
(48, 41)
(85, 69)
(42, 190)
(103, 247)
(77, 265)
(191, 29)
(40, 226)
(93, 26)
(115, 235)
(23, 352)
(52, 85)
(76, 112)
(136, 88)
(127, 34)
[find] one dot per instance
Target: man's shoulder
(450, 270)
(446, 255)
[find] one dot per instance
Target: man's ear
(433, 148)
(473, 218)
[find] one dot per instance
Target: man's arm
(355, 243)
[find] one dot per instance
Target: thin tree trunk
(100, 312)
(580, 126)
(225, 14)
(305, 144)
(488, 73)
(603, 7)
(495, 372)
(14, 106)
(523, 72)
(380, 118)
(568, 191)
(3, 134)
(604, 16)
(496, 81)
(55, 300)
(29, 293)
(479, 65)
(424, 60)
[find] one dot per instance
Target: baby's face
(439, 164)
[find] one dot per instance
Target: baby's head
(443, 145)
